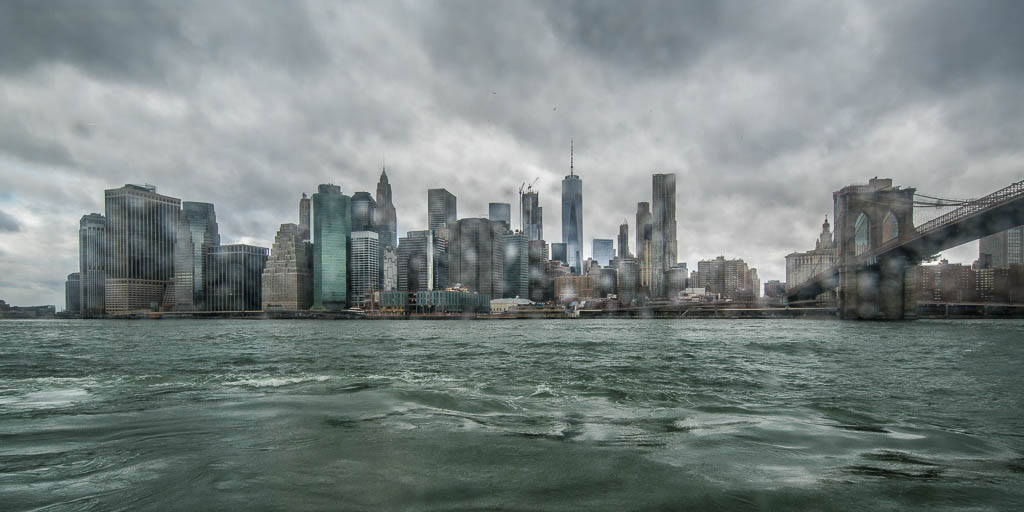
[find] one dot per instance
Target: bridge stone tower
(869, 217)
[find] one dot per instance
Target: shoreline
(925, 312)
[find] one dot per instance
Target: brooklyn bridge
(878, 246)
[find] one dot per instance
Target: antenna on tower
(570, 158)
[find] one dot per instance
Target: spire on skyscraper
(570, 158)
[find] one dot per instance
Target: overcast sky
(762, 109)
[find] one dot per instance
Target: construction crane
(521, 187)
(529, 190)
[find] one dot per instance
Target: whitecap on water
(275, 382)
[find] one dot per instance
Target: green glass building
(332, 224)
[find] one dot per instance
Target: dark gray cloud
(8, 223)
(155, 42)
(761, 108)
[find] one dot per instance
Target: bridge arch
(861, 235)
(890, 227)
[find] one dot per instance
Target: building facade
(623, 249)
(364, 210)
(437, 302)
(946, 282)
(73, 294)
(1002, 249)
(533, 216)
(572, 219)
(197, 233)
(627, 279)
(558, 253)
(603, 251)
(288, 276)
(388, 269)
(664, 247)
(540, 282)
(775, 291)
(644, 239)
(234, 275)
(416, 254)
(605, 281)
(516, 266)
(304, 216)
(571, 287)
(730, 279)
(476, 256)
(139, 248)
(500, 212)
(332, 225)
(442, 210)
(91, 260)
(801, 266)
(386, 220)
(364, 271)
(677, 280)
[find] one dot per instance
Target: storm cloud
(761, 108)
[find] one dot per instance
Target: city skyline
(751, 147)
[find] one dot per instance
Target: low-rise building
(571, 287)
(509, 305)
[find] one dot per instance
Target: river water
(527, 415)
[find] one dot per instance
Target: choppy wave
(572, 415)
(276, 382)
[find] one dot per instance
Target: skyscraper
(139, 250)
(500, 212)
(644, 233)
(364, 209)
(416, 254)
(623, 241)
(1002, 249)
(441, 209)
(73, 294)
(558, 252)
(572, 217)
(197, 232)
(388, 271)
(664, 248)
(603, 251)
(91, 255)
(627, 277)
(332, 225)
(441, 263)
(304, 215)
(386, 220)
(644, 229)
(363, 267)
(539, 280)
(516, 267)
(533, 216)
(234, 275)
(477, 256)
(288, 276)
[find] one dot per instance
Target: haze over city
(761, 110)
